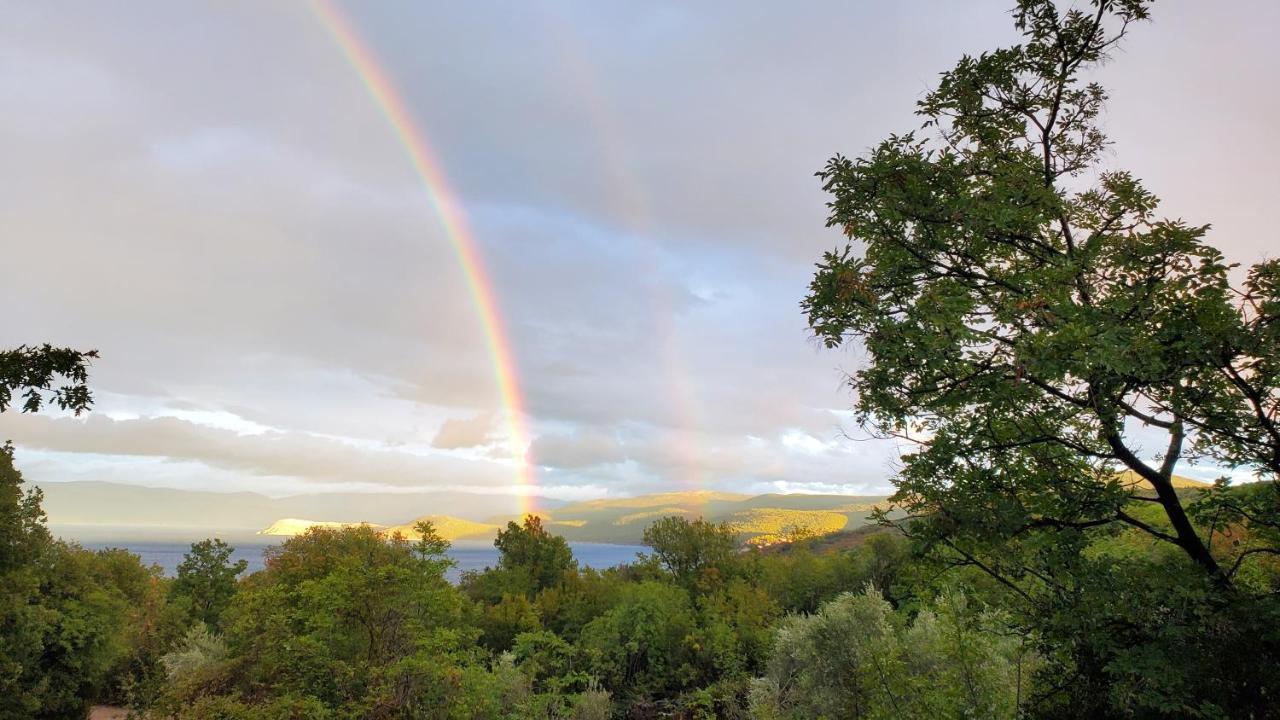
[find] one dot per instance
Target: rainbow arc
(378, 82)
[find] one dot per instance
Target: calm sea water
(469, 555)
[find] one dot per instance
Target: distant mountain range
(86, 510)
(758, 518)
(110, 511)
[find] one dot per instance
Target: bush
(856, 658)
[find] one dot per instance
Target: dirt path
(107, 712)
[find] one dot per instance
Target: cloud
(458, 433)
(238, 231)
(585, 448)
(271, 454)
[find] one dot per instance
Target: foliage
(693, 551)
(856, 659)
(61, 629)
(772, 525)
(800, 580)
(34, 371)
(639, 646)
(1030, 322)
(147, 626)
(350, 622)
(1025, 310)
(344, 618)
(206, 580)
(511, 616)
(534, 556)
(199, 650)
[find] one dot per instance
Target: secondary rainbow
(452, 218)
(633, 208)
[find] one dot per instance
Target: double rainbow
(452, 218)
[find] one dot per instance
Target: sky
(208, 195)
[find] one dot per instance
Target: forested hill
(101, 509)
(759, 519)
(105, 508)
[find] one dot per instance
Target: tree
(61, 628)
(1054, 349)
(147, 629)
(692, 550)
(1028, 319)
(640, 646)
(207, 580)
(34, 371)
(536, 557)
(345, 621)
(855, 658)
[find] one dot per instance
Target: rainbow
(382, 90)
(631, 203)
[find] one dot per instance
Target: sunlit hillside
(450, 528)
(759, 518)
(1131, 479)
(771, 525)
(288, 527)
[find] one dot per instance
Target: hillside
(114, 511)
(450, 528)
(288, 527)
(758, 518)
(624, 519)
(87, 509)
(84, 509)
(1132, 480)
(765, 526)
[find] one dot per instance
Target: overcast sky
(206, 194)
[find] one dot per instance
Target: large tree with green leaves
(1029, 321)
(694, 551)
(57, 634)
(206, 580)
(533, 558)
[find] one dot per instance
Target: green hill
(449, 528)
(766, 526)
(761, 519)
(623, 520)
(1132, 480)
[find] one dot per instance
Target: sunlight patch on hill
(448, 527)
(651, 515)
(288, 527)
(858, 507)
(770, 525)
(1131, 479)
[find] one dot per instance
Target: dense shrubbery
(74, 624)
(857, 658)
(350, 623)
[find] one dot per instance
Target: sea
(469, 555)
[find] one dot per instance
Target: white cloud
(233, 224)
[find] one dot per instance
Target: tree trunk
(1162, 481)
